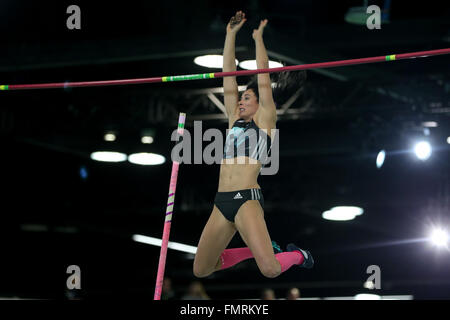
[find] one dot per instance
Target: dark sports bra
(246, 139)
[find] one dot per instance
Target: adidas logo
(238, 196)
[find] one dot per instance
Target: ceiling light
(146, 159)
(369, 285)
(107, 156)
(366, 296)
(430, 124)
(110, 137)
(170, 245)
(83, 172)
(356, 15)
(334, 216)
(448, 140)
(147, 139)
(439, 237)
(380, 158)
(357, 211)
(251, 64)
(342, 213)
(211, 61)
(423, 150)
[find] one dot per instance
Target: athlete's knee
(200, 271)
(270, 270)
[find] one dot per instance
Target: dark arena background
(61, 208)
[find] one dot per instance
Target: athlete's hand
(236, 22)
(258, 33)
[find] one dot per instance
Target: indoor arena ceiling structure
(61, 206)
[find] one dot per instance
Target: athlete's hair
(287, 82)
(253, 85)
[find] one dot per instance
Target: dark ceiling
(329, 139)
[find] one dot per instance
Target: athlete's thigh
(252, 227)
(215, 237)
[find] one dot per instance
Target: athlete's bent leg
(250, 223)
(253, 230)
(215, 237)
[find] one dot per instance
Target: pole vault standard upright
(340, 63)
(168, 219)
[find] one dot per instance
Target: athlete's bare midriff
(238, 176)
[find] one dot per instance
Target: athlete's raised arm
(267, 114)
(230, 87)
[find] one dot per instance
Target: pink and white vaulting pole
(168, 219)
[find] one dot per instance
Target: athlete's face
(248, 105)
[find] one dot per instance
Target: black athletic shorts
(229, 202)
